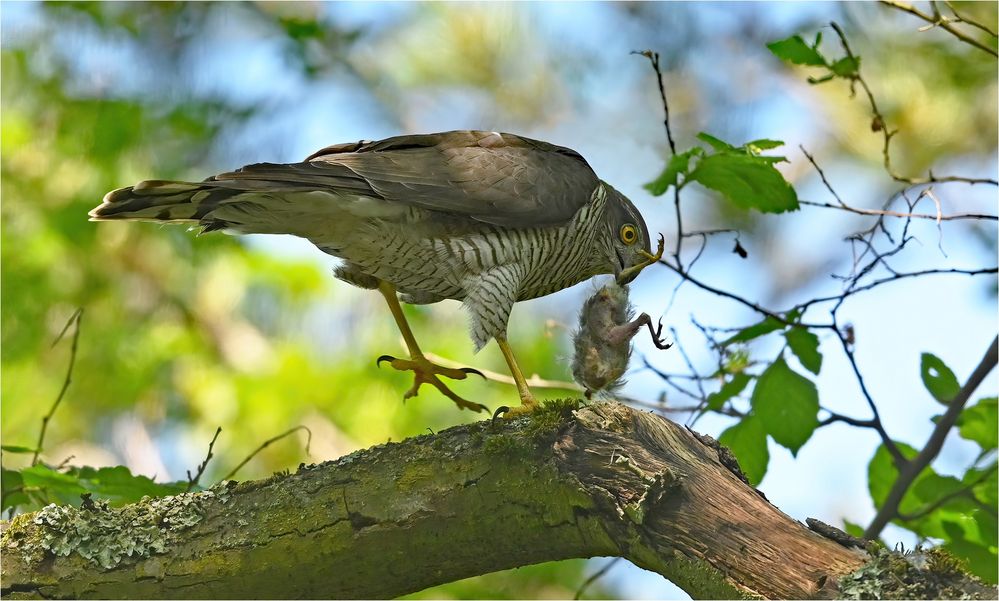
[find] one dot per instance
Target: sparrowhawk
(482, 217)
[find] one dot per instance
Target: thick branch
(607, 480)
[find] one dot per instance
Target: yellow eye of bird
(629, 234)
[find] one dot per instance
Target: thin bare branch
(269, 442)
(963, 19)
(193, 481)
(879, 124)
(945, 23)
(596, 576)
(74, 319)
(938, 217)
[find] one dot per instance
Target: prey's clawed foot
(426, 372)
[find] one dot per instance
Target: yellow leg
(527, 401)
(423, 370)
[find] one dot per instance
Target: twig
(894, 278)
(836, 417)
(192, 482)
(266, 444)
(876, 424)
(879, 124)
(654, 61)
(907, 474)
(938, 20)
(596, 576)
(74, 319)
(962, 19)
(938, 217)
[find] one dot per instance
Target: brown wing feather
(502, 179)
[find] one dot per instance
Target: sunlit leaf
(11, 489)
(938, 378)
(795, 50)
(728, 390)
(763, 144)
(881, 474)
(13, 448)
(717, 144)
(755, 331)
(846, 67)
(678, 163)
(980, 423)
(748, 442)
(853, 529)
(749, 182)
(787, 404)
(805, 346)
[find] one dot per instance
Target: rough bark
(604, 481)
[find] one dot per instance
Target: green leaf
(13, 448)
(748, 442)
(678, 163)
(47, 479)
(961, 541)
(755, 331)
(11, 484)
(846, 67)
(757, 146)
(728, 390)
(938, 378)
(795, 50)
(881, 473)
(749, 182)
(853, 529)
(787, 404)
(980, 423)
(118, 485)
(717, 144)
(805, 346)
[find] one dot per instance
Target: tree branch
(938, 20)
(908, 473)
(605, 480)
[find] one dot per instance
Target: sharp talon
(389, 358)
(499, 411)
(657, 335)
(472, 370)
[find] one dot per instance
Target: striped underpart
(487, 267)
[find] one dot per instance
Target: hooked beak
(627, 274)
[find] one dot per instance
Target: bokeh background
(183, 333)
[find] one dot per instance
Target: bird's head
(630, 245)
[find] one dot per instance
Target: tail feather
(157, 200)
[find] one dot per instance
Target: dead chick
(603, 341)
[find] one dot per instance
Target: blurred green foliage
(184, 333)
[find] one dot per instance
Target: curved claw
(389, 358)
(472, 370)
(499, 411)
(657, 338)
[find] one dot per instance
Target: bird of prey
(482, 217)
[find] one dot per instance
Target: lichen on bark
(105, 535)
